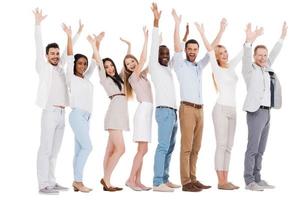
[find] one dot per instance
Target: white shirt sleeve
(40, 60)
(235, 61)
(70, 69)
(88, 73)
(154, 49)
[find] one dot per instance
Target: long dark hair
(76, 58)
(116, 78)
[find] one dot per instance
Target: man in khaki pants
(189, 74)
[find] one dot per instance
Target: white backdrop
(20, 118)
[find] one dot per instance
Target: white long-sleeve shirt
(48, 74)
(81, 89)
(226, 79)
(161, 76)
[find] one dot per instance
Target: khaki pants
(191, 126)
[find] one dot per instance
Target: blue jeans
(79, 121)
(166, 119)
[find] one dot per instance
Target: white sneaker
(265, 185)
(254, 187)
(172, 185)
(162, 188)
(60, 188)
(48, 191)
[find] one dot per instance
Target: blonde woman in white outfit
(224, 112)
(136, 80)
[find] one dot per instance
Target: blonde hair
(127, 74)
(216, 51)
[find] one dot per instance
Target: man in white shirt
(165, 113)
(263, 93)
(52, 97)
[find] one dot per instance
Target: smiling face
(53, 56)
(164, 56)
(191, 51)
(261, 56)
(221, 55)
(109, 68)
(81, 66)
(130, 63)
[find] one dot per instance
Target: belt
(166, 107)
(198, 106)
(112, 96)
(265, 107)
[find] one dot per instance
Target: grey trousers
(258, 131)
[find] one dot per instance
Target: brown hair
(127, 74)
(260, 47)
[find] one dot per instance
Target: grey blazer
(254, 79)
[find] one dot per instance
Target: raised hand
(177, 18)
(200, 28)
(125, 41)
(100, 36)
(187, 32)
(80, 27)
(145, 30)
(39, 17)
(92, 40)
(252, 35)
(155, 11)
(223, 24)
(284, 30)
(67, 30)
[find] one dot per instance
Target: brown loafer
(190, 187)
(200, 185)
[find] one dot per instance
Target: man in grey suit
(263, 93)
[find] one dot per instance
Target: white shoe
(60, 188)
(172, 185)
(265, 185)
(254, 187)
(162, 188)
(49, 191)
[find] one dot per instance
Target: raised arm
(128, 45)
(95, 43)
(68, 32)
(217, 40)
(70, 64)
(247, 55)
(200, 29)
(39, 17)
(277, 48)
(187, 32)
(143, 56)
(156, 39)
(177, 19)
(74, 40)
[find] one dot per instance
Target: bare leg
(118, 146)
(135, 174)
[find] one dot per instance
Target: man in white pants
(52, 97)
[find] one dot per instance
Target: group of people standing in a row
(56, 88)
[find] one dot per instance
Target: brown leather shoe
(200, 185)
(190, 187)
(106, 188)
